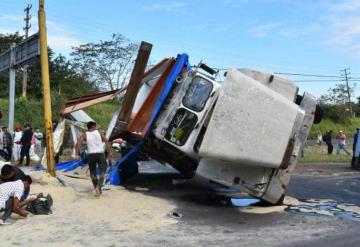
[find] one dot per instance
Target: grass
(318, 154)
(326, 124)
(102, 113)
(26, 111)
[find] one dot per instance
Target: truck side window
(181, 126)
(197, 93)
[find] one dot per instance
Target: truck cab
(181, 122)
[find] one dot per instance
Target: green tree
(106, 63)
(65, 82)
(6, 40)
(335, 103)
(337, 95)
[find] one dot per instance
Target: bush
(336, 113)
(326, 124)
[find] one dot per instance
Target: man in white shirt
(10, 195)
(38, 138)
(17, 143)
(95, 140)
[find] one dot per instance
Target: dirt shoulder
(325, 169)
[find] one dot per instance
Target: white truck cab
(181, 122)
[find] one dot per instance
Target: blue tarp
(67, 165)
(181, 62)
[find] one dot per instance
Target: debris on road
(175, 215)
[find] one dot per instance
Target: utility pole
(26, 29)
(46, 89)
(346, 74)
(12, 74)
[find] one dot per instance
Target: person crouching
(10, 195)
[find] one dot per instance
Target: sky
(303, 36)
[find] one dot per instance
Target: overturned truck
(244, 133)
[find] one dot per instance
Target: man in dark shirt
(10, 173)
(26, 144)
(7, 143)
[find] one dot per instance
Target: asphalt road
(208, 220)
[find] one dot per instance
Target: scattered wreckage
(244, 133)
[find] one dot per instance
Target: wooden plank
(133, 87)
(79, 103)
(93, 96)
(85, 104)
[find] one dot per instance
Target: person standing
(17, 143)
(342, 143)
(38, 139)
(328, 140)
(319, 138)
(26, 145)
(95, 140)
(7, 142)
(356, 150)
(2, 153)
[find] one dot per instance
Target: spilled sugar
(79, 217)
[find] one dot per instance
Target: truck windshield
(197, 94)
(181, 126)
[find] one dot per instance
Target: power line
(314, 75)
(311, 75)
(315, 80)
(306, 75)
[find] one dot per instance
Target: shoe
(4, 223)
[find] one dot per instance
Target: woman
(17, 143)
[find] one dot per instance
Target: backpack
(41, 205)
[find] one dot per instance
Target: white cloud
(264, 29)
(11, 18)
(4, 30)
(337, 27)
(235, 3)
(345, 34)
(62, 43)
(60, 37)
(300, 32)
(346, 6)
(169, 7)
